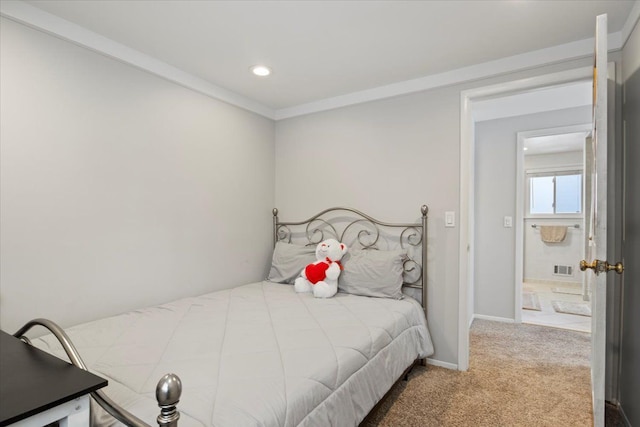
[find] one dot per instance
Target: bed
(262, 354)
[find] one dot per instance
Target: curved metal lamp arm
(168, 390)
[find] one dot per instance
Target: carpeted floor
(520, 375)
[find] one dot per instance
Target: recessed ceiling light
(525, 148)
(261, 70)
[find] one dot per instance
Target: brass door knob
(584, 265)
(601, 266)
(617, 267)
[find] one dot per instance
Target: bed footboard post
(275, 226)
(424, 209)
(168, 393)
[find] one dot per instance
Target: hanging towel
(553, 233)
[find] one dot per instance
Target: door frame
(520, 211)
(467, 196)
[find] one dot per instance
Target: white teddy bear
(321, 277)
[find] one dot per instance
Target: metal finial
(275, 211)
(424, 209)
(169, 390)
(168, 393)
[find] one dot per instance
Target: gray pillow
(289, 260)
(373, 273)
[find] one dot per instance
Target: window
(552, 193)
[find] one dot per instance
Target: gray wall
(629, 380)
(495, 198)
(387, 158)
(119, 189)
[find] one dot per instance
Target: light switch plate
(508, 222)
(449, 219)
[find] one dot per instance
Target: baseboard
(614, 414)
(494, 318)
(624, 416)
(442, 364)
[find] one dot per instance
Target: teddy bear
(321, 277)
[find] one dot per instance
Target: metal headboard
(360, 230)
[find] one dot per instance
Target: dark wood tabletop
(32, 381)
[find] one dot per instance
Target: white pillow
(373, 273)
(289, 260)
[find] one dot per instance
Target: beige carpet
(520, 375)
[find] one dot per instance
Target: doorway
(470, 100)
(603, 245)
(552, 210)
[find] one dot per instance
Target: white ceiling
(321, 50)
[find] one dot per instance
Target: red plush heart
(316, 272)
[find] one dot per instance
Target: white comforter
(256, 355)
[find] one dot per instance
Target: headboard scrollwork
(359, 230)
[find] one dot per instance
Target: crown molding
(631, 22)
(565, 52)
(51, 24)
(34, 17)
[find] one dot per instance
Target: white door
(596, 228)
